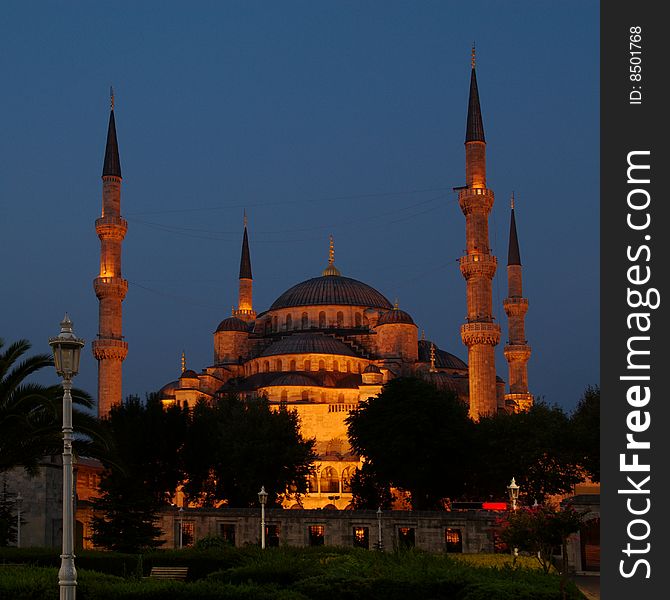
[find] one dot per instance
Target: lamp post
(181, 527)
(19, 500)
(66, 351)
(262, 498)
(513, 490)
(379, 528)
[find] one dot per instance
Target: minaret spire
(110, 349)
(245, 309)
(517, 350)
(331, 270)
(480, 334)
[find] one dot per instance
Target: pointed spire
(475, 127)
(183, 361)
(112, 164)
(432, 358)
(513, 254)
(245, 261)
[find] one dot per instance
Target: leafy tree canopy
(585, 423)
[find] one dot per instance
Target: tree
(416, 438)
(31, 414)
(235, 446)
(585, 422)
(142, 470)
(368, 491)
(532, 446)
(541, 530)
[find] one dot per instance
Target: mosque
(330, 342)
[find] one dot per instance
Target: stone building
(331, 341)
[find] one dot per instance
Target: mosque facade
(330, 342)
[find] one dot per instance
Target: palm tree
(31, 414)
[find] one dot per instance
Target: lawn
(286, 574)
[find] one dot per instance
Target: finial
(245, 218)
(395, 304)
(473, 55)
(423, 335)
(512, 201)
(111, 97)
(432, 358)
(331, 251)
(183, 361)
(232, 310)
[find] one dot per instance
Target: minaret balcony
(110, 287)
(109, 348)
(482, 265)
(519, 402)
(111, 228)
(515, 306)
(517, 352)
(479, 333)
(476, 199)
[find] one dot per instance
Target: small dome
(290, 379)
(167, 391)
(443, 359)
(307, 343)
(188, 374)
(395, 316)
(372, 369)
(232, 324)
(442, 381)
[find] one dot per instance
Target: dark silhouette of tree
(31, 414)
(235, 446)
(533, 446)
(416, 438)
(142, 471)
(585, 421)
(368, 492)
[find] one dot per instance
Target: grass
(300, 574)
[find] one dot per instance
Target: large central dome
(331, 289)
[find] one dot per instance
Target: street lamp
(19, 500)
(379, 528)
(513, 490)
(262, 498)
(181, 527)
(66, 351)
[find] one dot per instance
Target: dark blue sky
(318, 117)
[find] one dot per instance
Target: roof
(332, 290)
(395, 316)
(474, 131)
(189, 374)
(443, 359)
(328, 379)
(111, 165)
(289, 379)
(513, 254)
(309, 343)
(232, 324)
(372, 368)
(442, 381)
(245, 260)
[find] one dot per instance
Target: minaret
(245, 309)
(480, 334)
(517, 351)
(109, 349)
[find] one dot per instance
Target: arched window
(284, 396)
(305, 321)
(289, 322)
(340, 398)
(312, 483)
(256, 368)
(340, 318)
(322, 319)
(336, 366)
(322, 365)
(308, 365)
(348, 366)
(330, 482)
(304, 395)
(346, 479)
(278, 365)
(266, 367)
(357, 319)
(275, 323)
(292, 366)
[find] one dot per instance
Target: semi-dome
(306, 343)
(334, 290)
(232, 324)
(371, 368)
(395, 316)
(443, 359)
(292, 379)
(188, 374)
(442, 381)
